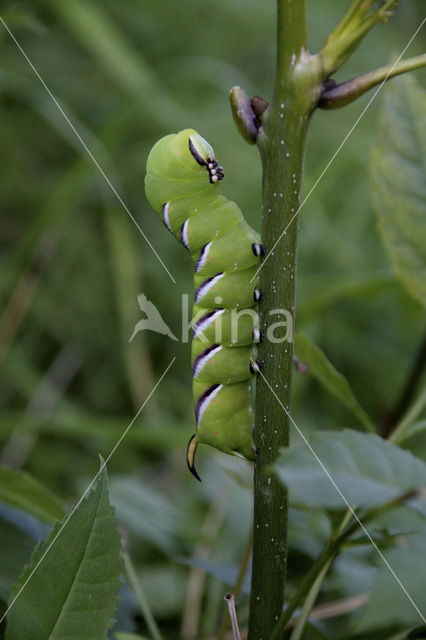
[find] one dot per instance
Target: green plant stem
(359, 19)
(346, 92)
(309, 603)
(140, 596)
(281, 142)
(409, 418)
(353, 16)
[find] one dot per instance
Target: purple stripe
(195, 153)
(202, 257)
(183, 239)
(203, 320)
(203, 355)
(166, 216)
(199, 292)
(203, 397)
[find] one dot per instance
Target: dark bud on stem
(243, 114)
(335, 95)
(328, 84)
(259, 106)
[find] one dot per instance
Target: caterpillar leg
(190, 455)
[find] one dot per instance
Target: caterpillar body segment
(216, 363)
(182, 185)
(224, 416)
(231, 327)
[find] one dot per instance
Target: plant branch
(281, 142)
(356, 15)
(342, 94)
(354, 26)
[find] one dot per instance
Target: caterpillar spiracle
(182, 184)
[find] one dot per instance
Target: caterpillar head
(204, 156)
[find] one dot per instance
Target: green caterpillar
(182, 184)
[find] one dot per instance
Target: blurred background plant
(73, 262)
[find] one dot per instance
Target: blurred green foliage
(73, 262)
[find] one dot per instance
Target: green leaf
(368, 471)
(322, 369)
(20, 489)
(387, 603)
(69, 589)
(308, 531)
(399, 187)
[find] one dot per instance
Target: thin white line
(345, 501)
(103, 465)
(345, 139)
(86, 148)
